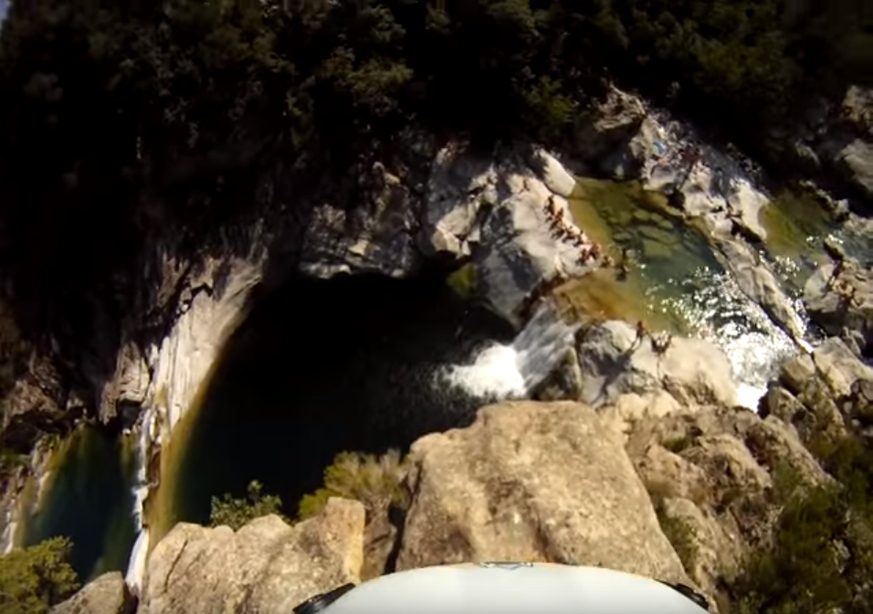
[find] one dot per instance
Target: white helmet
(508, 588)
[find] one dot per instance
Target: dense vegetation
(821, 559)
(120, 117)
(375, 481)
(36, 578)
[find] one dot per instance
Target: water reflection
(677, 283)
(87, 497)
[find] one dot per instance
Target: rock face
(494, 214)
(822, 395)
(267, 567)
(615, 362)
(843, 304)
(847, 146)
(600, 140)
(447, 205)
(108, 594)
(530, 481)
(855, 161)
(711, 475)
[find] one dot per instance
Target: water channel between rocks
(367, 363)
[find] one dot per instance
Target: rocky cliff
(666, 477)
(656, 441)
(682, 495)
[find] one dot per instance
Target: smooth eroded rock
(839, 367)
(267, 567)
(614, 362)
(108, 594)
(849, 308)
(532, 482)
(855, 161)
(493, 211)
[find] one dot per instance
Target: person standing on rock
(838, 256)
(624, 263)
(690, 157)
(642, 333)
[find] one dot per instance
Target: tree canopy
(121, 117)
(36, 578)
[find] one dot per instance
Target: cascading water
(302, 380)
(140, 489)
(506, 371)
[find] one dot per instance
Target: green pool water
(669, 256)
(87, 497)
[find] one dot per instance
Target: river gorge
(408, 320)
(370, 363)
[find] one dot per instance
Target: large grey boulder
(615, 363)
(267, 567)
(377, 236)
(845, 142)
(492, 212)
(839, 311)
(108, 594)
(532, 482)
(855, 162)
(601, 138)
(839, 367)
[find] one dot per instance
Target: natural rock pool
(676, 282)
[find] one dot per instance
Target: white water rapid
(512, 371)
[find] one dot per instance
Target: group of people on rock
(588, 250)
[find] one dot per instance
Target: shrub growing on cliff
(36, 578)
(237, 512)
(377, 482)
(821, 556)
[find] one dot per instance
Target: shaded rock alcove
(355, 363)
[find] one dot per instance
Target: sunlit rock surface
(108, 594)
(266, 567)
(532, 482)
(616, 360)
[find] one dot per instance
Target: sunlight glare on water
(712, 307)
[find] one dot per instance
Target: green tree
(821, 556)
(377, 482)
(36, 578)
(236, 513)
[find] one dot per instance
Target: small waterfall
(136, 565)
(140, 490)
(511, 371)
